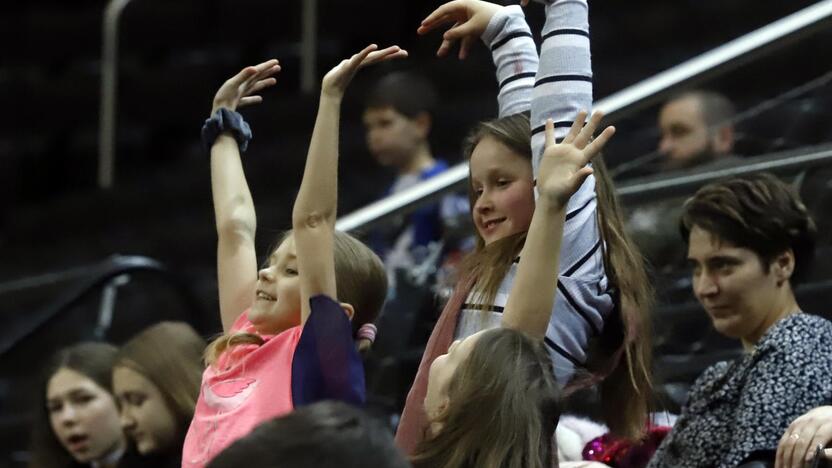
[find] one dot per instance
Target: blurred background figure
(324, 435)
(156, 380)
(696, 128)
(77, 422)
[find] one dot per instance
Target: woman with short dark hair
(748, 240)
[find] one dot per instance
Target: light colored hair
(360, 280)
(169, 354)
(626, 386)
(503, 408)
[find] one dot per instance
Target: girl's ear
(348, 309)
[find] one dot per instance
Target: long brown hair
(360, 280)
(626, 385)
(169, 354)
(503, 408)
(92, 360)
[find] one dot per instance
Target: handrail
(719, 60)
(654, 187)
(98, 275)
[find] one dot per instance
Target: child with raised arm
(596, 329)
(288, 341)
(492, 399)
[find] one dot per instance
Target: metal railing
(719, 60)
(107, 275)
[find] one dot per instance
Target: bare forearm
(233, 205)
(318, 195)
(532, 296)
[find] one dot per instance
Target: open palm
(563, 167)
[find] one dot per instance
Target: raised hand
(798, 445)
(240, 90)
(336, 81)
(563, 167)
(469, 19)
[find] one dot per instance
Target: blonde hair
(626, 385)
(360, 280)
(169, 355)
(503, 408)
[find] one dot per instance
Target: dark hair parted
(169, 354)
(92, 360)
(758, 212)
(408, 93)
(324, 435)
(503, 408)
(360, 280)
(626, 386)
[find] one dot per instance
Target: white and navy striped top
(557, 87)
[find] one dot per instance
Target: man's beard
(706, 155)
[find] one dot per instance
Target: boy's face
(392, 137)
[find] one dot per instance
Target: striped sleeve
(515, 57)
(563, 85)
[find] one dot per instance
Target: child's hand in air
(240, 89)
(469, 18)
(336, 81)
(563, 167)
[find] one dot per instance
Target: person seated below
(749, 239)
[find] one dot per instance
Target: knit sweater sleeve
(515, 57)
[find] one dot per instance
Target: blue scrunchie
(225, 120)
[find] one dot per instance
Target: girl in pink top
(287, 341)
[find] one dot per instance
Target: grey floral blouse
(738, 407)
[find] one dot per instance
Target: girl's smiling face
(277, 298)
(503, 185)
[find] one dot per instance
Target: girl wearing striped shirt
(598, 328)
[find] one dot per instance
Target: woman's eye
(53, 408)
(291, 271)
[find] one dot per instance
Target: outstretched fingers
(444, 14)
(575, 129)
(595, 147)
(585, 135)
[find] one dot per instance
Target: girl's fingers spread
(464, 47)
(597, 144)
(444, 48)
(266, 65)
(429, 25)
(575, 129)
(586, 133)
(438, 15)
(250, 100)
(550, 133)
(262, 84)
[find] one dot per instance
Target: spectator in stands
(696, 128)
(492, 400)
(804, 437)
(749, 239)
(324, 435)
(76, 422)
(156, 381)
(398, 117)
(289, 340)
(603, 294)
(696, 131)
